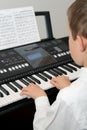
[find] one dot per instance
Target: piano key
(52, 72)
(73, 68)
(46, 75)
(23, 81)
(43, 84)
(3, 102)
(35, 79)
(17, 85)
(76, 65)
(4, 90)
(20, 83)
(15, 96)
(12, 87)
(72, 76)
(61, 70)
(1, 94)
(12, 97)
(67, 68)
(42, 77)
(29, 80)
(6, 99)
(57, 71)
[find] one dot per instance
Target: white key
(12, 97)
(44, 85)
(73, 75)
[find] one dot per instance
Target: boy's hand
(33, 91)
(60, 81)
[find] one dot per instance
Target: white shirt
(69, 110)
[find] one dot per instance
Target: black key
(1, 94)
(24, 82)
(29, 80)
(4, 90)
(57, 71)
(17, 85)
(36, 80)
(12, 87)
(52, 72)
(73, 68)
(67, 68)
(62, 71)
(76, 65)
(46, 75)
(42, 77)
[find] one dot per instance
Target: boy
(69, 110)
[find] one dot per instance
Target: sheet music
(18, 26)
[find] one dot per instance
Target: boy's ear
(81, 43)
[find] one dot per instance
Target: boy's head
(77, 18)
(77, 27)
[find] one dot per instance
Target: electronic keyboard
(36, 63)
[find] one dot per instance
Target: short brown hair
(77, 18)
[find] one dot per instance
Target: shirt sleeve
(45, 113)
(58, 116)
(42, 102)
(42, 106)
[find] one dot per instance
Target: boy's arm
(41, 118)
